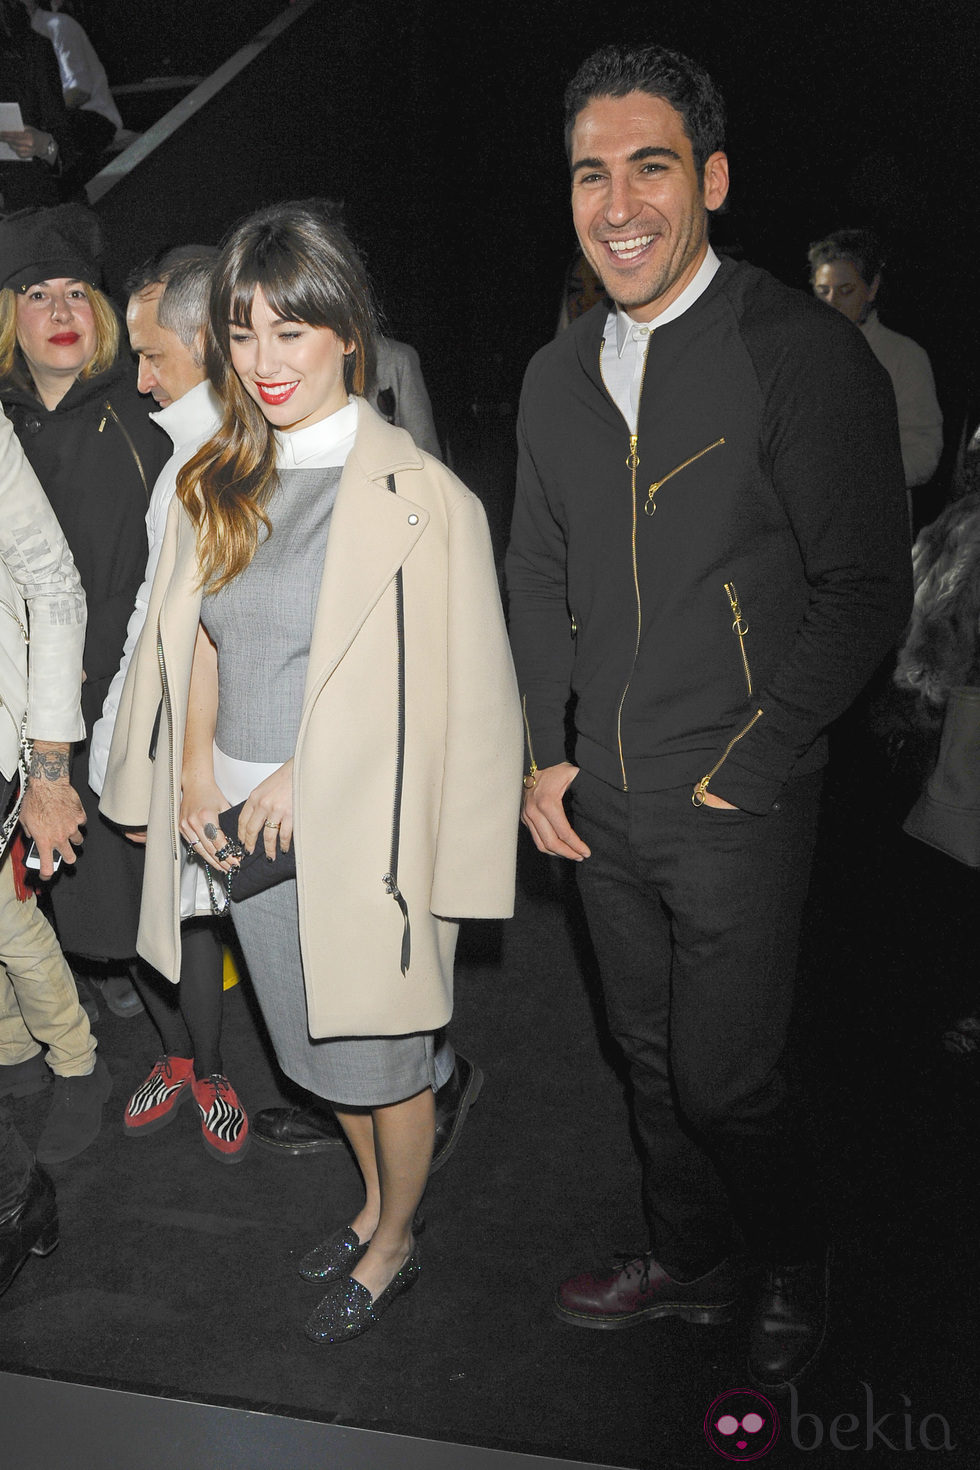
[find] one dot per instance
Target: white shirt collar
(191, 416)
(697, 287)
(329, 440)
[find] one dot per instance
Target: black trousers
(694, 914)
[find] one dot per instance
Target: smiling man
(709, 558)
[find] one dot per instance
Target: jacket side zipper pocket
(701, 789)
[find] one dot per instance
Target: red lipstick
(276, 393)
(65, 339)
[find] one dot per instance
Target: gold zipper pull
(736, 610)
(633, 459)
(650, 508)
(700, 791)
(531, 779)
(102, 425)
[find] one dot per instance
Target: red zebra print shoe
(224, 1124)
(156, 1100)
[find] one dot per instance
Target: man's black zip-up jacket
(714, 594)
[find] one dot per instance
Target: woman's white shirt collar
(322, 445)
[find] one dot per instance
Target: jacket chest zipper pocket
(740, 628)
(650, 506)
(111, 413)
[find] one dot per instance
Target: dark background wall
(440, 126)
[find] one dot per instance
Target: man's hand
(51, 814)
(711, 800)
(544, 813)
(28, 142)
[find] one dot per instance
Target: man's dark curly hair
(615, 71)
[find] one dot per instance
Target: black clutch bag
(254, 873)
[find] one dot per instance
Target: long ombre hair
(310, 272)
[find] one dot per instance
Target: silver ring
(191, 845)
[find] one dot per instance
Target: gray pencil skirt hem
(350, 1071)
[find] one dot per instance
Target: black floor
(176, 1275)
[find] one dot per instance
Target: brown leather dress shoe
(641, 1289)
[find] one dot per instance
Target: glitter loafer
(334, 1257)
(348, 1309)
(337, 1256)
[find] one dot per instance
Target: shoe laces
(630, 1264)
(221, 1086)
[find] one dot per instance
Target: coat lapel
(371, 534)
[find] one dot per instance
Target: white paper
(10, 122)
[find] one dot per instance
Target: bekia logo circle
(741, 1425)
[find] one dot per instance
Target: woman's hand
(269, 813)
(200, 803)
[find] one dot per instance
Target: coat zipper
(739, 628)
(132, 447)
(701, 789)
(390, 879)
(170, 741)
(651, 505)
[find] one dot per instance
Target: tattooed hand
(51, 814)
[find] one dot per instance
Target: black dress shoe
(453, 1101)
(298, 1130)
(788, 1322)
(29, 1227)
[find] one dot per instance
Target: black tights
(188, 1015)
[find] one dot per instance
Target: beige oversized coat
(463, 748)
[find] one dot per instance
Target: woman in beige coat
(325, 643)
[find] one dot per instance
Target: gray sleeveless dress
(261, 624)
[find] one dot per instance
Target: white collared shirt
(323, 445)
(622, 368)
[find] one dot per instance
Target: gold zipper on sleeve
(531, 779)
(739, 628)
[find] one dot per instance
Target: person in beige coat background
(293, 324)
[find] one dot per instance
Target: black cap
(44, 244)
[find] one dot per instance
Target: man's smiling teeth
(626, 249)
